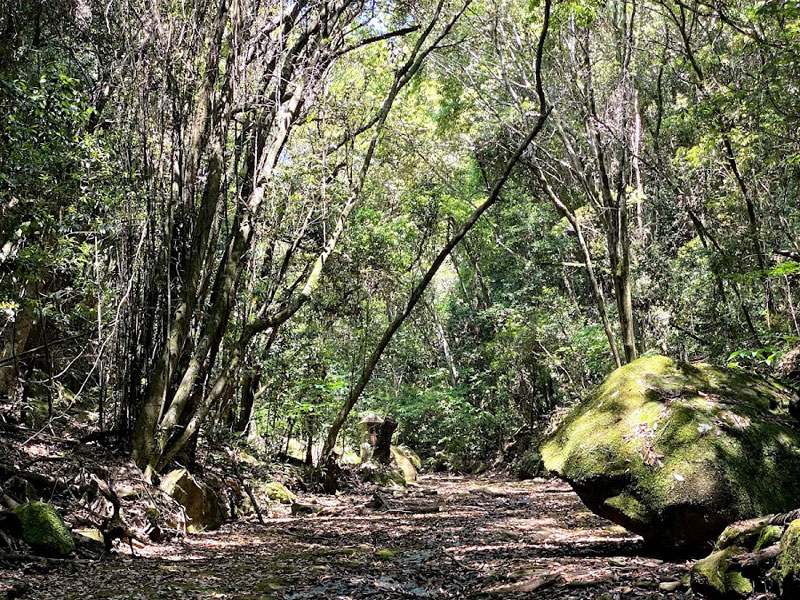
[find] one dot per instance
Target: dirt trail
(490, 539)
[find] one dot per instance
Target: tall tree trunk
(614, 211)
(448, 355)
(15, 343)
(143, 440)
(250, 383)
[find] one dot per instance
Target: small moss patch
(770, 535)
(627, 506)
(270, 584)
(738, 585)
(743, 533)
(713, 578)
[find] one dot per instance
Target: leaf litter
(489, 538)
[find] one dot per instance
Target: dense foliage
(215, 217)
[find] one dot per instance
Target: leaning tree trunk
(421, 286)
(588, 263)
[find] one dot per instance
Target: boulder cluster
(761, 553)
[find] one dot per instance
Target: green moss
(314, 553)
(787, 567)
(706, 575)
(668, 434)
(385, 554)
(769, 536)
(36, 410)
(742, 533)
(712, 578)
(737, 584)
(629, 507)
(380, 475)
(396, 476)
(44, 530)
(270, 584)
(275, 490)
(530, 465)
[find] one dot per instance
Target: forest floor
(489, 538)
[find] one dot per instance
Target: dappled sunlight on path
(490, 538)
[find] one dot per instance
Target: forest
(400, 299)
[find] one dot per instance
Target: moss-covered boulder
(407, 461)
(787, 568)
(378, 474)
(411, 455)
(277, 492)
(674, 451)
(44, 530)
(204, 507)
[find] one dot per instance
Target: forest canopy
(237, 220)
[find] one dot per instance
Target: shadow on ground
(490, 539)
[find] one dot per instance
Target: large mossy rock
(674, 451)
(204, 507)
(44, 530)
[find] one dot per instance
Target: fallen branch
(40, 482)
(756, 561)
(23, 557)
(785, 518)
(417, 509)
